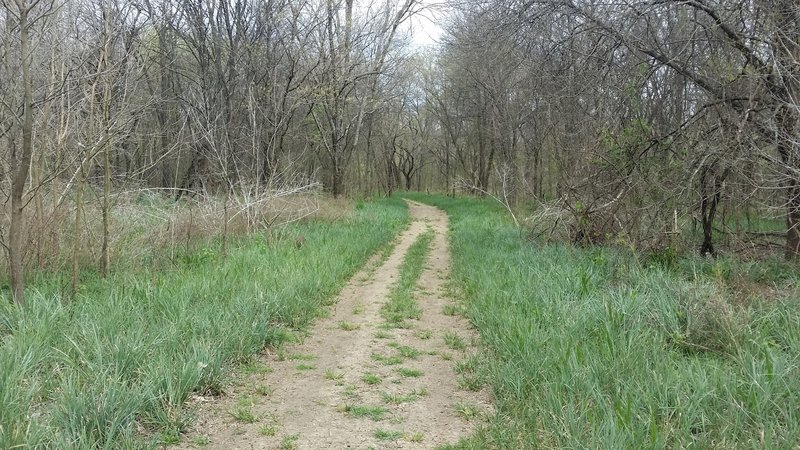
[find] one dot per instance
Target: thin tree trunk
(21, 165)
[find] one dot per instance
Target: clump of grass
(374, 413)
(264, 391)
(289, 442)
(268, 430)
(350, 391)
(408, 352)
(401, 305)
(244, 414)
(305, 367)
(467, 410)
(423, 334)
(396, 399)
(347, 326)
(383, 334)
(201, 441)
(409, 373)
(387, 360)
(416, 437)
(388, 435)
(371, 378)
(332, 375)
(454, 341)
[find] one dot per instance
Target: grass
(396, 399)
(588, 348)
(453, 341)
(268, 430)
(416, 437)
(347, 326)
(401, 305)
(289, 442)
(409, 373)
(264, 391)
(453, 310)
(387, 360)
(117, 362)
(374, 413)
(244, 414)
(467, 410)
(371, 378)
(383, 334)
(388, 435)
(423, 334)
(333, 375)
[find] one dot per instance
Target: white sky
(425, 29)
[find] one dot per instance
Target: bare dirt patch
(353, 383)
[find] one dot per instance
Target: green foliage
(133, 348)
(586, 348)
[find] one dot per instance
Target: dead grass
(148, 227)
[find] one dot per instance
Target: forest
(154, 154)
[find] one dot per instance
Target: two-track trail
(353, 382)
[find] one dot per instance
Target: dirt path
(353, 383)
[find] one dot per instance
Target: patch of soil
(347, 385)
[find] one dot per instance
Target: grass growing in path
(587, 348)
(375, 413)
(401, 305)
(127, 352)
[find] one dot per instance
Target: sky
(424, 25)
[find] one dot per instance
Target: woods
(629, 120)
(239, 100)
(631, 117)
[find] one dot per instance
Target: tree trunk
(21, 166)
(793, 223)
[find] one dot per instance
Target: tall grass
(587, 348)
(113, 367)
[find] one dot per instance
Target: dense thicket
(631, 119)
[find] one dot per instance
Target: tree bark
(21, 163)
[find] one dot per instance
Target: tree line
(623, 119)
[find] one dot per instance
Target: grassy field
(596, 348)
(113, 367)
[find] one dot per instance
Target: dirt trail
(309, 398)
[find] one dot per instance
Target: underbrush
(594, 348)
(114, 366)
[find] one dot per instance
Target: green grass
(401, 305)
(127, 352)
(347, 326)
(388, 435)
(588, 348)
(371, 378)
(453, 341)
(396, 398)
(375, 413)
(387, 360)
(467, 410)
(409, 373)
